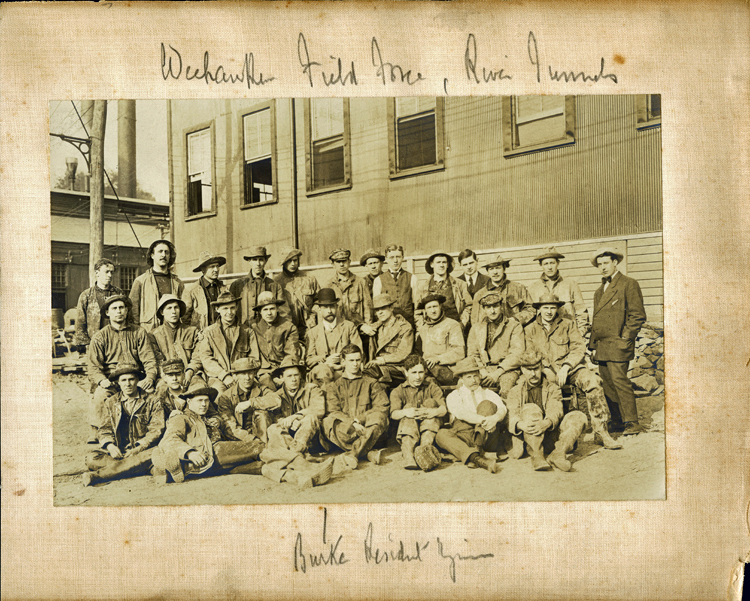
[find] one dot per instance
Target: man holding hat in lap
(277, 337)
(457, 304)
(441, 338)
(226, 341)
(174, 340)
(248, 289)
(199, 296)
(514, 297)
(150, 286)
(299, 291)
(133, 421)
(393, 343)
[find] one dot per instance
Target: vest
(400, 291)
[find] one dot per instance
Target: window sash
(257, 134)
(327, 116)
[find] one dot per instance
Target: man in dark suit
(469, 263)
(618, 316)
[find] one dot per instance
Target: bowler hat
(429, 298)
(172, 252)
(428, 263)
(126, 368)
(225, 298)
(165, 300)
(115, 298)
(266, 298)
(382, 300)
(606, 250)
(245, 364)
(326, 296)
(491, 299)
(256, 251)
(206, 259)
(548, 299)
(340, 254)
(370, 254)
(287, 362)
(173, 366)
(198, 387)
(466, 366)
(498, 261)
(290, 253)
(549, 253)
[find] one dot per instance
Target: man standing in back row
(149, 287)
(248, 289)
(299, 290)
(398, 283)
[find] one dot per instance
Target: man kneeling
(477, 413)
(132, 423)
(536, 411)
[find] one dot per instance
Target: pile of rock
(647, 369)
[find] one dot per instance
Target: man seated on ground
(325, 341)
(356, 412)
(89, 318)
(514, 297)
(477, 414)
(441, 339)
(563, 349)
(418, 406)
(394, 342)
(226, 341)
(535, 414)
(245, 406)
(193, 443)
(300, 289)
(117, 343)
(133, 422)
(199, 296)
(277, 336)
(173, 339)
(497, 343)
(398, 283)
(458, 301)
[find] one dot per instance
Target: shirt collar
(330, 326)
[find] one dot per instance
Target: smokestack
(71, 164)
(126, 182)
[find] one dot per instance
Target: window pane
(540, 131)
(411, 106)
(59, 275)
(258, 182)
(654, 108)
(327, 117)
(127, 276)
(328, 163)
(199, 172)
(529, 108)
(416, 142)
(258, 134)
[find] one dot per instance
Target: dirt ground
(637, 471)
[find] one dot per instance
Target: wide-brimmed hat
(290, 253)
(429, 298)
(198, 387)
(126, 368)
(256, 251)
(173, 366)
(606, 250)
(340, 254)
(548, 299)
(498, 261)
(115, 298)
(206, 259)
(382, 300)
(428, 263)
(326, 296)
(466, 366)
(287, 362)
(172, 252)
(490, 299)
(166, 299)
(549, 253)
(370, 254)
(245, 364)
(225, 298)
(266, 298)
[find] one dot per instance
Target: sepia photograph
(357, 300)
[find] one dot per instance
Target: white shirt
(462, 404)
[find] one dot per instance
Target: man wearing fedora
(248, 289)
(89, 318)
(245, 407)
(116, 343)
(355, 302)
(565, 289)
(394, 342)
(277, 337)
(617, 319)
(475, 280)
(536, 418)
(563, 349)
(398, 283)
(226, 341)
(199, 296)
(173, 339)
(357, 412)
(515, 298)
(325, 341)
(496, 343)
(477, 415)
(193, 444)
(150, 286)
(372, 261)
(458, 301)
(132, 423)
(299, 291)
(441, 339)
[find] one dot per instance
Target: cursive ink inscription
(554, 75)
(390, 72)
(330, 557)
(329, 78)
(171, 66)
(470, 63)
(378, 556)
(452, 558)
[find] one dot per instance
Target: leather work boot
(488, 464)
(89, 478)
(344, 463)
(602, 436)
(516, 451)
(562, 447)
(534, 446)
(407, 450)
(632, 428)
(376, 456)
(173, 466)
(427, 438)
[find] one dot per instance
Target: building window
(258, 134)
(415, 132)
(200, 172)
(532, 123)
(127, 277)
(648, 110)
(327, 157)
(59, 276)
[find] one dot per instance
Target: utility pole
(96, 242)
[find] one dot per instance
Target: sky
(151, 143)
